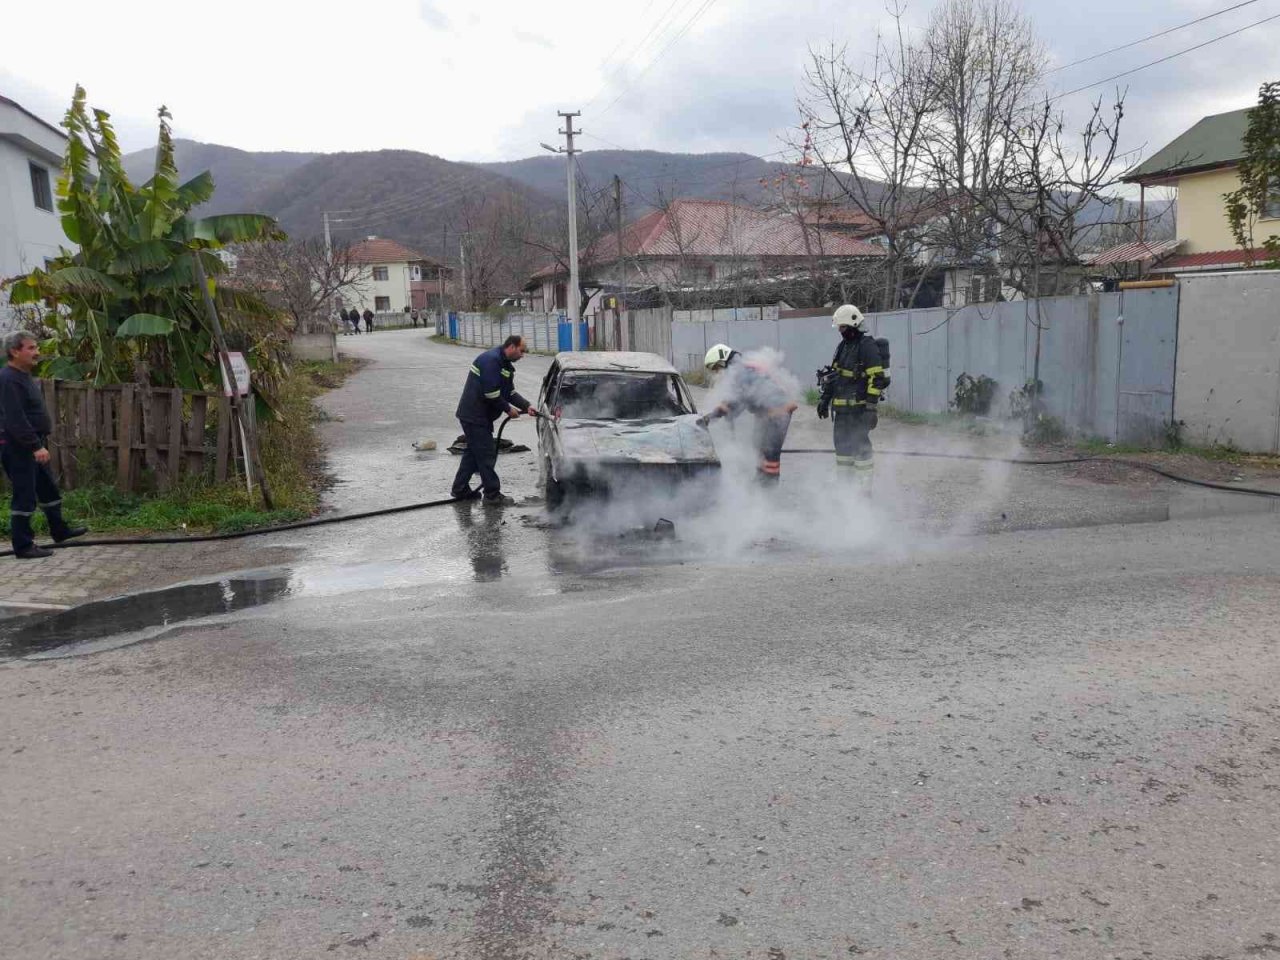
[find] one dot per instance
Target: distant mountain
(650, 177)
(239, 174)
(408, 196)
(400, 194)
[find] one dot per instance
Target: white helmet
(717, 356)
(847, 316)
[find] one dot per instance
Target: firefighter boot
(59, 529)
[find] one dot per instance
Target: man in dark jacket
(368, 320)
(24, 433)
(353, 318)
(850, 391)
(490, 392)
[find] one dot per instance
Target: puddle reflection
(41, 632)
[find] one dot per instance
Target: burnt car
(614, 418)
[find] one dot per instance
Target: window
(1271, 209)
(40, 191)
(380, 273)
(416, 271)
(382, 304)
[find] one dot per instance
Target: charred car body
(611, 419)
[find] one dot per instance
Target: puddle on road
(138, 613)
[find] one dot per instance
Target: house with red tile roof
(394, 278)
(708, 245)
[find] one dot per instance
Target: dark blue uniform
(24, 428)
(489, 393)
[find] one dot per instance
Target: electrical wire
(835, 139)
(636, 50)
(1152, 36)
(707, 4)
(1172, 56)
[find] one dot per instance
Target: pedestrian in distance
(490, 392)
(368, 320)
(849, 390)
(353, 318)
(754, 387)
(414, 317)
(25, 427)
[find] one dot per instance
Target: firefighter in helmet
(753, 386)
(850, 389)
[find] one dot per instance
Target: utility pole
(328, 240)
(622, 262)
(444, 252)
(575, 307)
(462, 253)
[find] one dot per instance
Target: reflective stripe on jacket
(857, 362)
(490, 389)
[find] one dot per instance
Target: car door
(546, 396)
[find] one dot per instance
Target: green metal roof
(1213, 142)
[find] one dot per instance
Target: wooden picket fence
(147, 435)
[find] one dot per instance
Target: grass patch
(812, 396)
(1218, 452)
(444, 338)
(291, 453)
(950, 420)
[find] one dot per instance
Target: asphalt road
(806, 728)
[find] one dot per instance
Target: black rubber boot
(59, 529)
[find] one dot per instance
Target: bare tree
(494, 230)
(300, 277)
(867, 128)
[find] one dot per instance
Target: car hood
(666, 440)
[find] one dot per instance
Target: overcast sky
(482, 79)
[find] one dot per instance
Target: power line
(638, 47)
(650, 65)
(1088, 86)
(1153, 36)
(1153, 63)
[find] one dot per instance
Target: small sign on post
(240, 369)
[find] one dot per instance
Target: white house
(392, 278)
(30, 160)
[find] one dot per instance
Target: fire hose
(428, 504)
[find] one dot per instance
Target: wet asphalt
(997, 712)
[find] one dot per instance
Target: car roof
(614, 361)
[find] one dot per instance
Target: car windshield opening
(620, 396)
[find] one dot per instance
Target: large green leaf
(196, 190)
(236, 228)
(62, 368)
(146, 325)
(146, 256)
(25, 289)
(84, 281)
(181, 274)
(242, 301)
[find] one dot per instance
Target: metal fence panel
(1146, 323)
(1228, 359)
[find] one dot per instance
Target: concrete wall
(1106, 361)
(1229, 359)
(540, 330)
(314, 346)
(1202, 213)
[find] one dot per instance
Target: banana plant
(127, 303)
